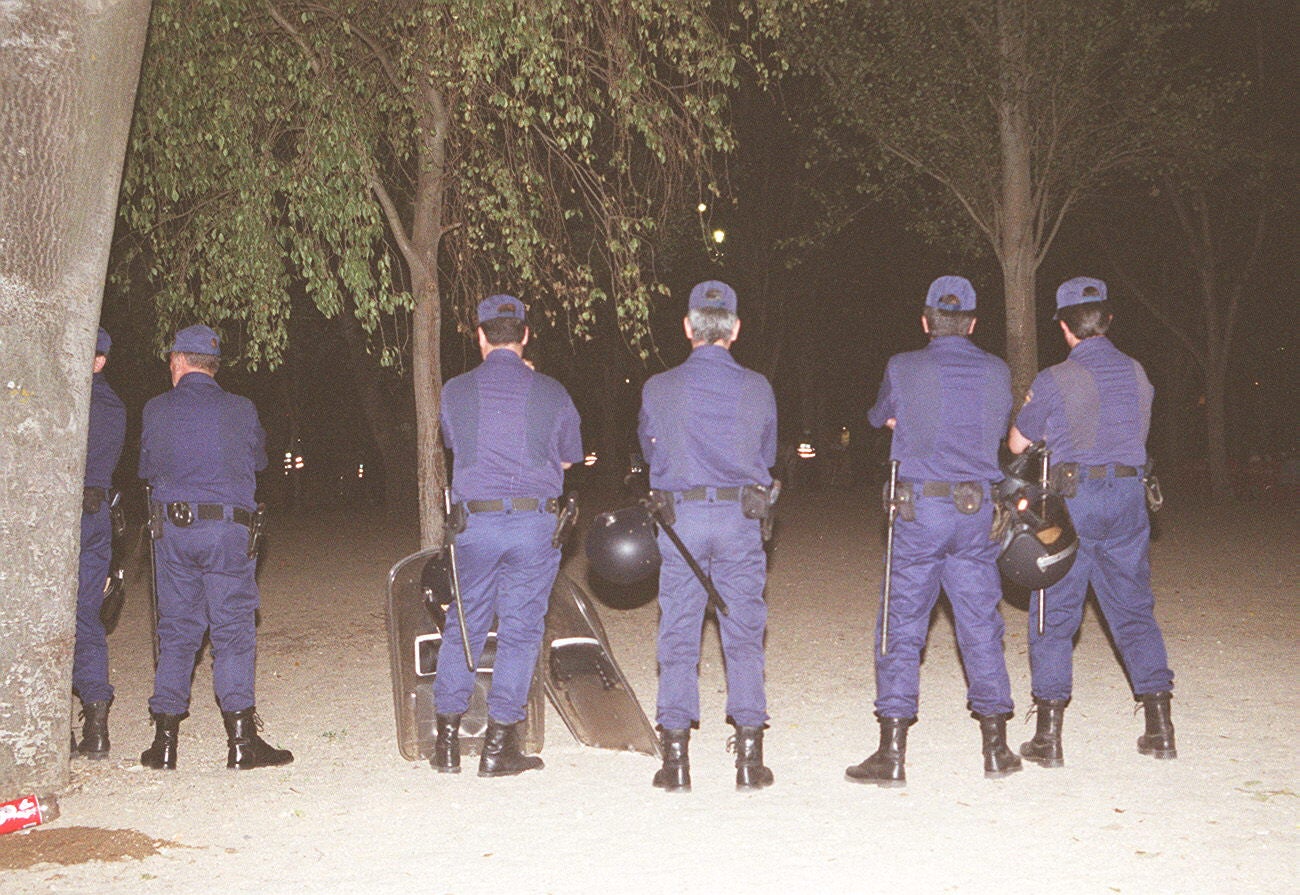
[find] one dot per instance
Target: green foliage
(926, 87)
(375, 154)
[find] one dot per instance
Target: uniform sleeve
(883, 410)
(145, 468)
(644, 428)
(768, 443)
(1032, 418)
(570, 432)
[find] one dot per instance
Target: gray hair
(711, 325)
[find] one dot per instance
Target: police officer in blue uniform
(1094, 411)
(200, 449)
(107, 432)
(948, 405)
(512, 433)
(708, 430)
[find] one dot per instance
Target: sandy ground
(350, 815)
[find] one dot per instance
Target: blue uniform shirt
(202, 444)
(509, 429)
(952, 401)
(106, 433)
(1094, 408)
(708, 422)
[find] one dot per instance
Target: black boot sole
(998, 775)
(1044, 762)
(876, 781)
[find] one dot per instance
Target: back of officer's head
(949, 307)
(1082, 305)
(711, 311)
(502, 320)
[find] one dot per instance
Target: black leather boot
(1158, 741)
(885, 767)
(501, 754)
(247, 750)
(675, 775)
(94, 730)
(161, 756)
(1045, 748)
(446, 749)
(750, 772)
(999, 761)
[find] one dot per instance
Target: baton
(1042, 593)
(715, 598)
(153, 570)
(450, 537)
(889, 557)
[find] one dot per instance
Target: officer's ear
(973, 321)
(527, 333)
(735, 332)
(925, 324)
(690, 333)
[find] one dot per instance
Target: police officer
(512, 433)
(1094, 411)
(708, 430)
(200, 448)
(106, 433)
(948, 405)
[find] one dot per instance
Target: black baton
(154, 529)
(449, 536)
(715, 598)
(1043, 480)
(889, 557)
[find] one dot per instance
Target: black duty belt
(216, 512)
(517, 504)
(1121, 471)
(93, 493)
(940, 489)
(702, 493)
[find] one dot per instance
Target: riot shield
(418, 590)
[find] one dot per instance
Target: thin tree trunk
(1017, 245)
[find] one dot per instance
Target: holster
(1001, 521)
(156, 515)
(904, 501)
(255, 531)
(757, 502)
(565, 520)
(661, 504)
(91, 500)
(968, 497)
(457, 518)
(117, 512)
(1064, 479)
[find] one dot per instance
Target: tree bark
(1017, 248)
(68, 73)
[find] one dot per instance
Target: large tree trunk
(1216, 430)
(1017, 247)
(68, 73)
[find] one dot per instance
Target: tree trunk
(68, 73)
(1017, 248)
(1216, 430)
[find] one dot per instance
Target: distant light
(627, 381)
(719, 236)
(701, 208)
(590, 459)
(298, 462)
(361, 470)
(806, 451)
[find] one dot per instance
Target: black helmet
(1040, 543)
(621, 545)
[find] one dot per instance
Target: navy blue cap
(103, 342)
(713, 294)
(951, 294)
(197, 339)
(1079, 291)
(496, 306)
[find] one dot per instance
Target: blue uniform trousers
(944, 548)
(729, 547)
(507, 567)
(90, 655)
(206, 583)
(1114, 536)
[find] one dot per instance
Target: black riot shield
(419, 590)
(585, 684)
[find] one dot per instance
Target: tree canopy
(385, 156)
